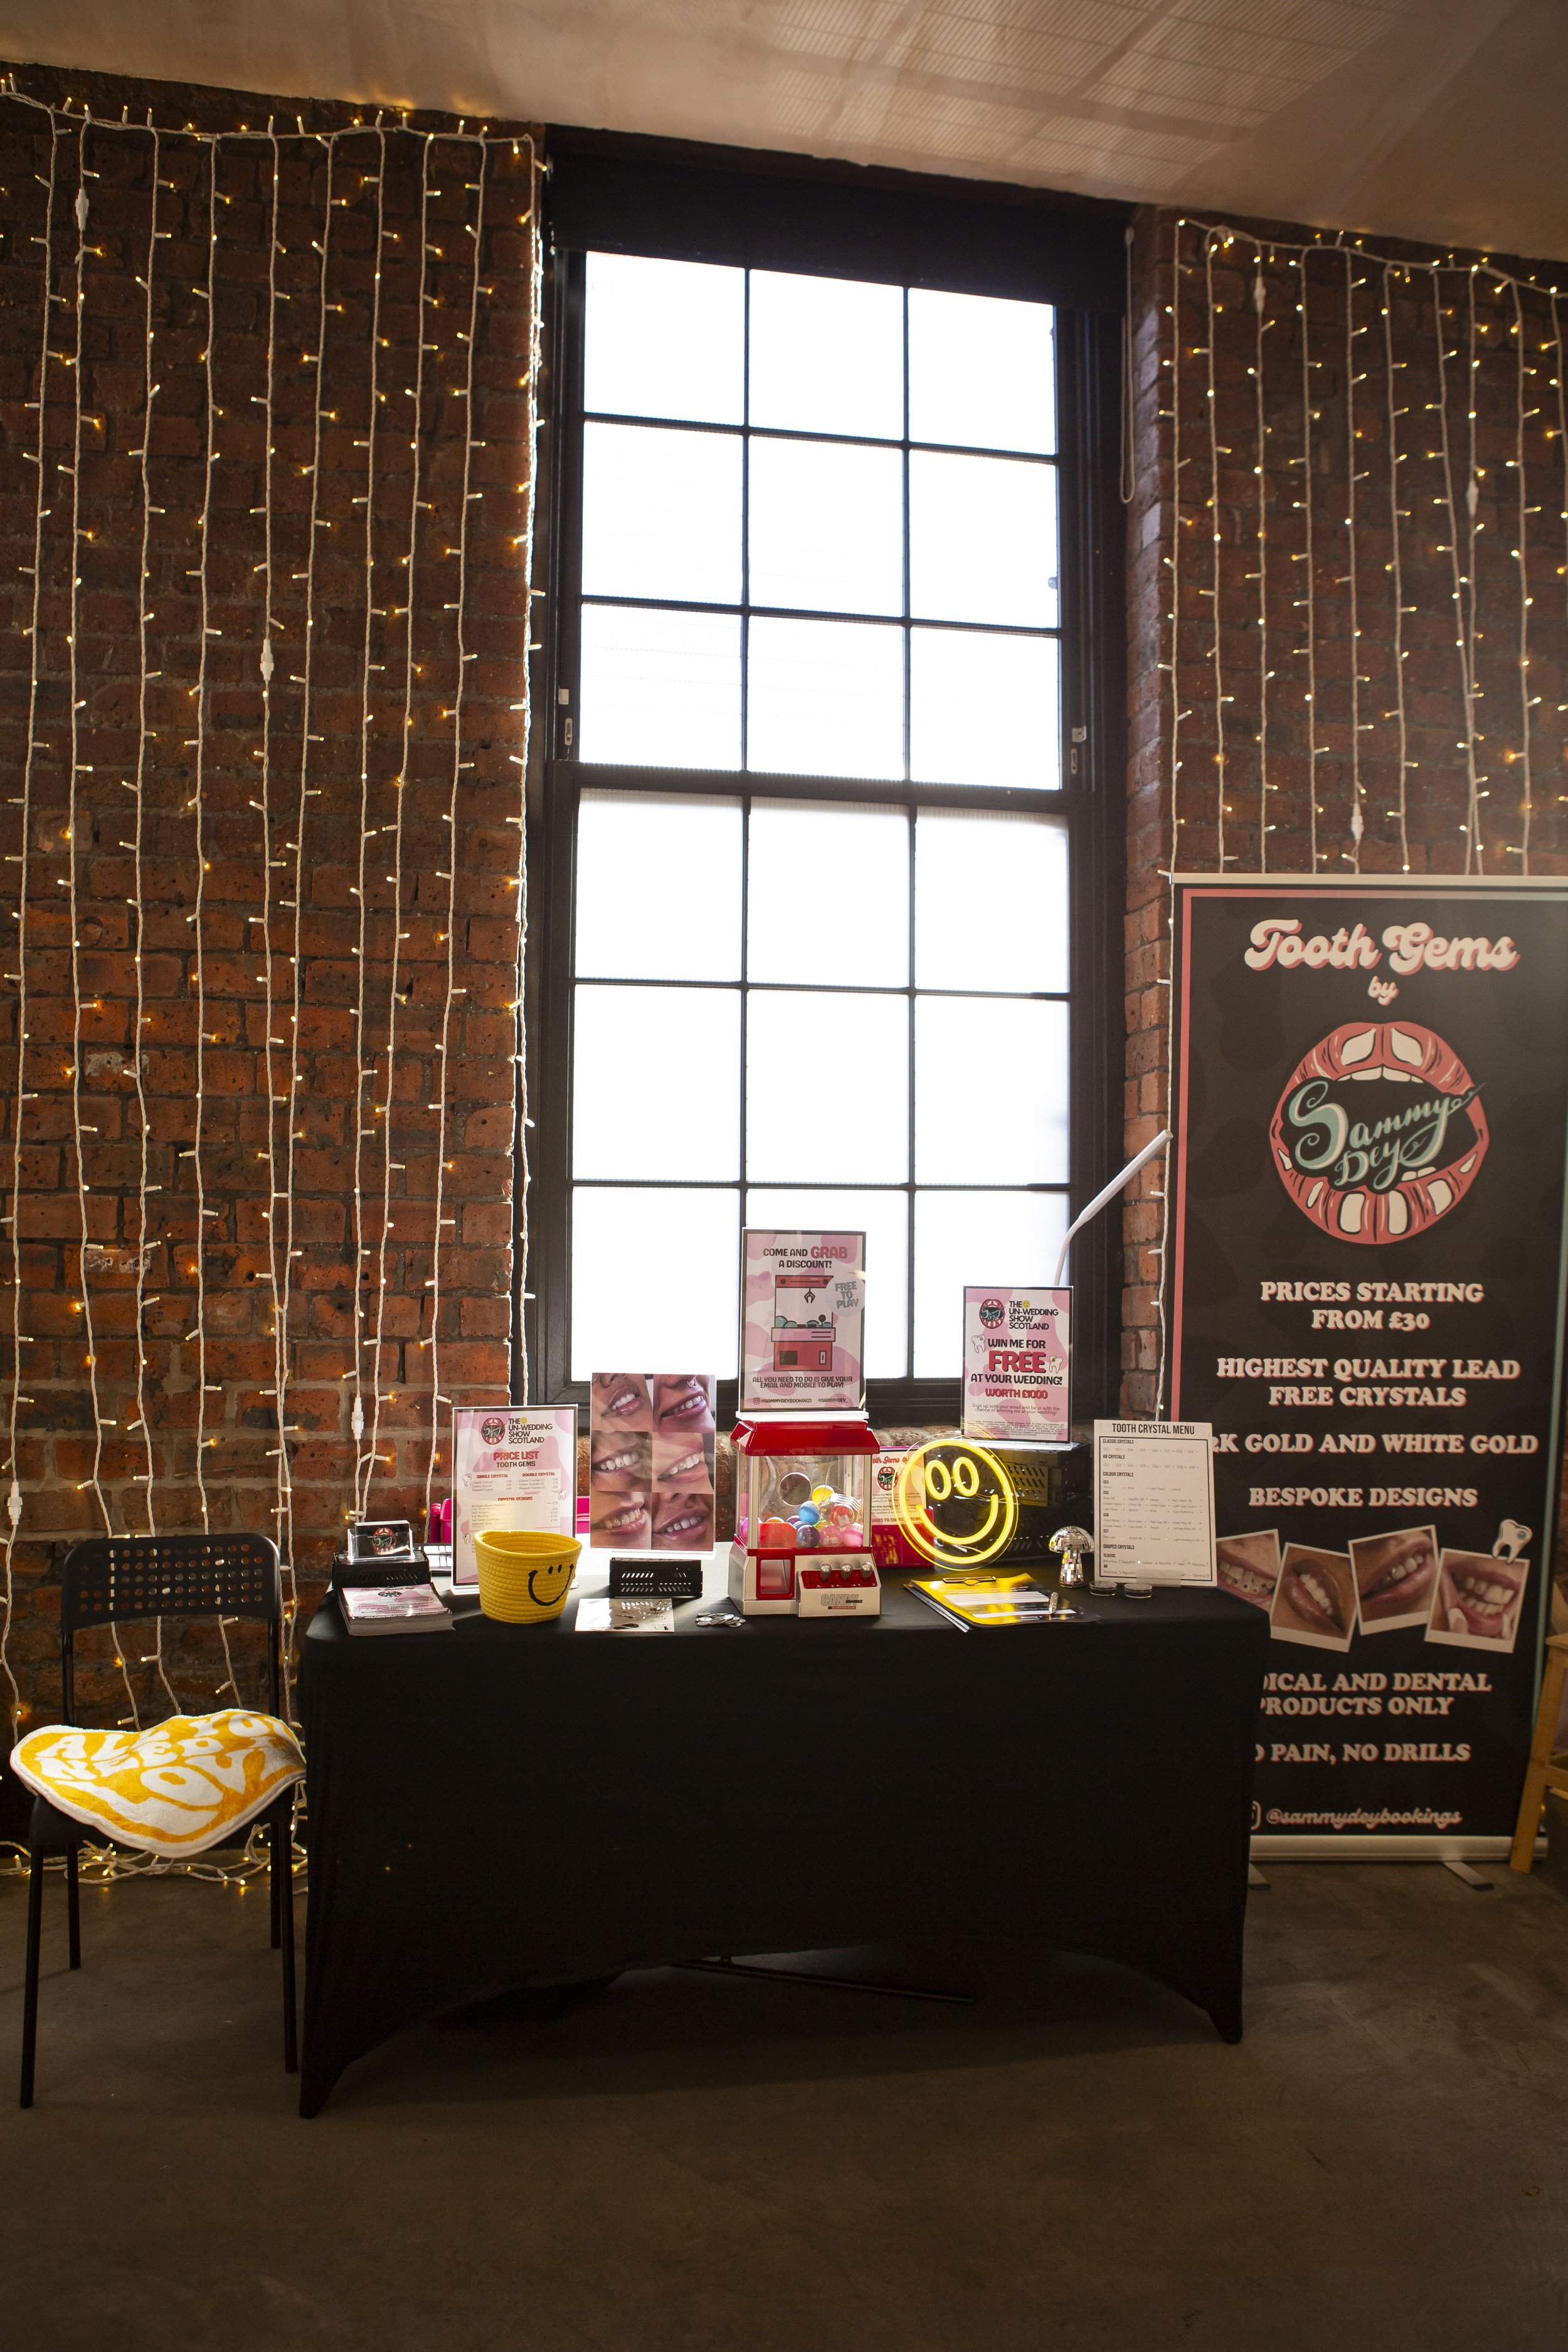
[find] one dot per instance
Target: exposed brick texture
(378, 895)
(1226, 536)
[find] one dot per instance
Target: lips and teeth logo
(1363, 1172)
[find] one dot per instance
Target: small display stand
(803, 1519)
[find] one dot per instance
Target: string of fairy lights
(1400, 541)
(326, 340)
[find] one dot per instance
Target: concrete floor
(684, 2164)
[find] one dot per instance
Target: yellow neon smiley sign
(951, 1468)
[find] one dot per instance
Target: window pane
(982, 372)
(983, 539)
(826, 1088)
(829, 893)
(661, 513)
(971, 868)
(983, 709)
(827, 356)
(655, 1082)
(827, 524)
(826, 698)
(615, 1320)
(660, 689)
(659, 888)
(991, 1092)
(665, 339)
(1001, 1237)
(884, 1219)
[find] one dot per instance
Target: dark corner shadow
(653, 2031)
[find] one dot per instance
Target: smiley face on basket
(524, 1574)
(1379, 1131)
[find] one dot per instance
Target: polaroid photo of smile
(1478, 1601)
(1395, 1574)
(1315, 1600)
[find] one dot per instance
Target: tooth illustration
(1511, 1539)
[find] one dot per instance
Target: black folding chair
(123, 1579)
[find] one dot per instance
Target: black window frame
(677, 200)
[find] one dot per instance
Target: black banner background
(1302, 1409)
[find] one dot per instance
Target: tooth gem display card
(1154, 1502)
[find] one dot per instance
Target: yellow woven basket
(524, 1574)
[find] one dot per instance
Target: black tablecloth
(501, 1807)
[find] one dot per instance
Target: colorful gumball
(808, 1516)
(775, 1535)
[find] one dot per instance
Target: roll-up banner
(1364, 1281)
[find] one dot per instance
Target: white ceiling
(1426, 119)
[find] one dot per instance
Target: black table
(503, 1807)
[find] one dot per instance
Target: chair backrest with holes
(119, 1578)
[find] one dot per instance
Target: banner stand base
(1468, 1878)
(1385, 1849)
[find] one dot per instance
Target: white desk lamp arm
(1115, 1185)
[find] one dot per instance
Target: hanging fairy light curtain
(260, 358)
(1365, 635)
(1365, 616)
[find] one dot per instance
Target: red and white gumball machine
(803, 1521)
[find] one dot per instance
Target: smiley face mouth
(1484, 1598)
(1311, 1596)
(1401, 1584)
(623, 1403)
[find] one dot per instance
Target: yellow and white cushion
(181, 1786)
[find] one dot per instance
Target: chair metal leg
(274, 1888)
(283, 1896)
(30, 1999)
(73, 1906)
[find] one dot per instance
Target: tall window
(810, 765)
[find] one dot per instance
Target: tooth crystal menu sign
(1364, 1283)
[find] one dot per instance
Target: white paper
(1153, 1489)
(598, 1613)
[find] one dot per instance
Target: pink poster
(803, 1312)
(1015, 1360)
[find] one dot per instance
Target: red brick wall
(372, 894)
(1196, 775)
